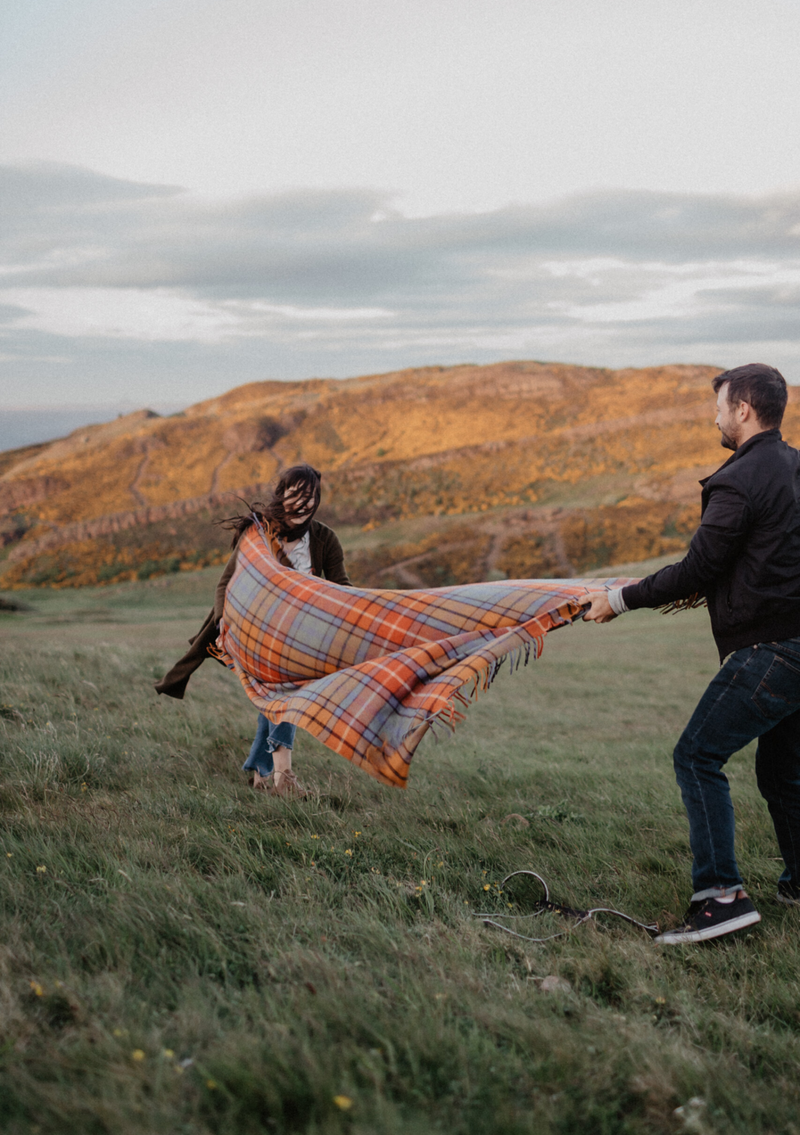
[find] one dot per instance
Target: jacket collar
(765, 435)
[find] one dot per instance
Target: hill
(432, 475)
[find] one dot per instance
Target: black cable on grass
(546, 904)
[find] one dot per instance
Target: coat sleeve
(723, 530)
(333, 561)
(222, 586)
(175, 681)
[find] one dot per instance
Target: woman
(307, 546)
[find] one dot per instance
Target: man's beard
(728, 442)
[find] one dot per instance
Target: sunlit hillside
(434, 475)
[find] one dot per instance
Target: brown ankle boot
(285, 783)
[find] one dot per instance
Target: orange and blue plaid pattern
(369, 671)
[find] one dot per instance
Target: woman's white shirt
(300, 555)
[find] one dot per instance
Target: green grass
(181, 955)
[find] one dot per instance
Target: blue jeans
(755, 694)
(269, 737)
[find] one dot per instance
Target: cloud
(40, 186)
(340, 282)
(163, 314)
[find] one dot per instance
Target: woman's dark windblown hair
(303, 479)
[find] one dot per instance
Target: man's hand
(600, 610)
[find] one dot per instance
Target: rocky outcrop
(254, 435)
(119, 521)
(27, 491)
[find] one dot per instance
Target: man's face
(726, 420)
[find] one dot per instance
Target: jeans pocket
(778, 693)
(790, 650)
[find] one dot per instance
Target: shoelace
(288, 783)
(546, 904)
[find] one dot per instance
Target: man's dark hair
(762, 387)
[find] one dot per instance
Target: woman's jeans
(269, 737)
(755, 694)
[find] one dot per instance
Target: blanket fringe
(687, 604)
(521, 655)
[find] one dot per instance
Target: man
(745, 559)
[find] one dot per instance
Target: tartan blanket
(368, 671)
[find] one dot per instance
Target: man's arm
(723, 529)
(721, 534)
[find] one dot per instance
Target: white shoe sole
(787, 900)
(675, 937)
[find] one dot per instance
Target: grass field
(180, 954)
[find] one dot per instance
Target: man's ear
(744, 412)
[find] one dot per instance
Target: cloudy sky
(200, 193)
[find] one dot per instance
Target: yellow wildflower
(343, 1102)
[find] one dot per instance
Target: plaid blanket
(369, 671)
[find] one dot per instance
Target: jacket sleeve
(175, 681)
(333, 561)
(723, 529)
(222, 586)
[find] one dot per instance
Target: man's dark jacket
(327, 559)
(745, 556)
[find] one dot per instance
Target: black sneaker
(788, 893)
(709, 918)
